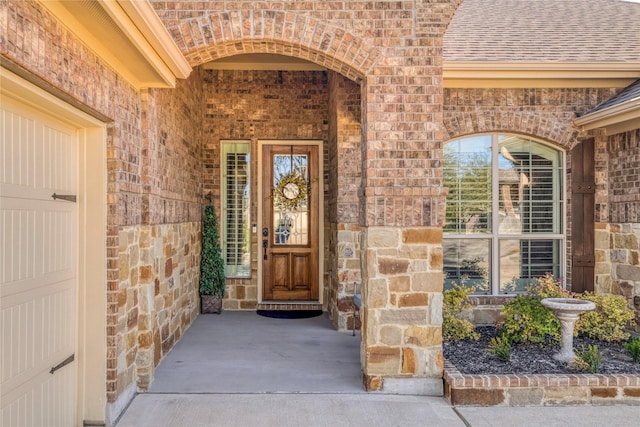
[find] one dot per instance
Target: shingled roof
(630, 93)
(560, 31)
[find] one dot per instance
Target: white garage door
(39, 268)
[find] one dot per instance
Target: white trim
(91, 298)
(485, 74)
(138, 46)
(260, 197)
(615, 119)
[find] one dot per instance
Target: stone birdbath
(568, 311)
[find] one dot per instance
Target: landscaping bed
(475, 376)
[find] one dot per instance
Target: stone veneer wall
(618, 216)
(158, 297)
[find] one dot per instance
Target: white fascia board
(539, 74)
(145, 38)
(147, 21)
(615, 119)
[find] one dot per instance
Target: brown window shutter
(583, 216)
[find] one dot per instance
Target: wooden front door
(289, 235)
(582, 216)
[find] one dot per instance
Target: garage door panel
(38, 280)
(40, 406)
(38, 154)
(36, 240)
(35, 332)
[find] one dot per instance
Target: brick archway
(546, 127)
(219, 35)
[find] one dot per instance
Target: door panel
(290, 222)
(38, 271)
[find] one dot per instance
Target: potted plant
(212, 277)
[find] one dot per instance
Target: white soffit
(128, 35)
(475, 74)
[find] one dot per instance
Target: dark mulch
(472, 357)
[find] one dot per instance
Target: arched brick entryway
(401, 199)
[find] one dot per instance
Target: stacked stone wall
(157, 297)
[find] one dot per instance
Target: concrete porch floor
(241, 369)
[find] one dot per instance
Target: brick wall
(253, 106)
(344, 177)
(618, 216)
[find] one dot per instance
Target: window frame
(224, 208)
(494, 236)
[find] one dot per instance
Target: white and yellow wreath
(291, 191)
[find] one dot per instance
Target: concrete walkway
(240, 369)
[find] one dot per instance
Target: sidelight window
(235, 198)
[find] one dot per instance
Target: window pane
(467, 174)
(530, 196)
(291, 225)
(466, 261)
(235, 210)
(521, 261)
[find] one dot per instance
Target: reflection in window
(290, 201)
(236, 238)
(505, 192)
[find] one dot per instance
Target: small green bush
(607, 321)
(587, 359)
(633, 348)
(454, 327)
(528, 321)
(501, 347)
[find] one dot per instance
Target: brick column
(402, 209)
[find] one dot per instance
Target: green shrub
(587, 359)
(454, 327)
(548, 287)
(501, 347)
(526, 320)
(633, 348)
(607, 321)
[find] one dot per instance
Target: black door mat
(290, 314)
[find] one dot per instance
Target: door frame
(260, 192)
(91, 301)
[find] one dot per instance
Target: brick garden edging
(540, 389)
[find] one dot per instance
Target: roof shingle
(560, 31)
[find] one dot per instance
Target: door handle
(62, 364)
(265, 245)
